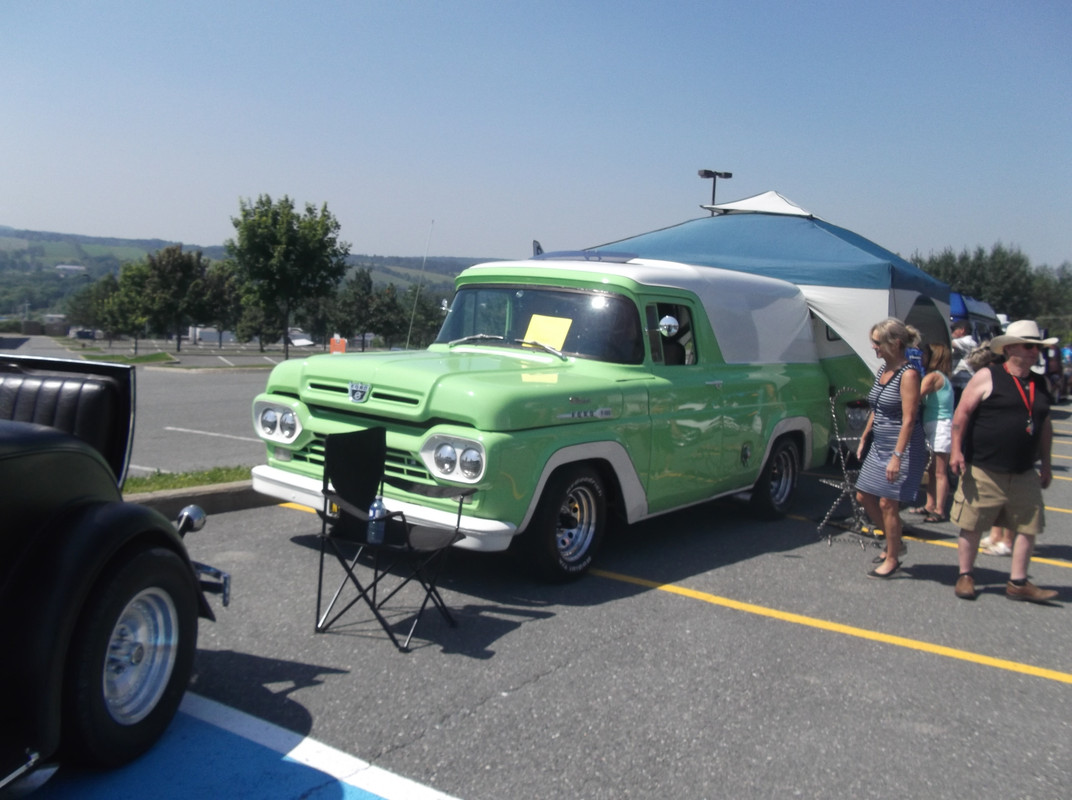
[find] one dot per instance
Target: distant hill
(30, 251)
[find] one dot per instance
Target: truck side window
(679, 347)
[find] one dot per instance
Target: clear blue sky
(920, 125)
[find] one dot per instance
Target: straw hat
(1021, 331)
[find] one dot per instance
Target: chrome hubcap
(141, 654)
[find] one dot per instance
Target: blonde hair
(893, 331)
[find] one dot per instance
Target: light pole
(714, 176)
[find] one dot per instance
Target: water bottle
(377, 521)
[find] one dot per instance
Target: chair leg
(363, 593)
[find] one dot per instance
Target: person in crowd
(1055, 373)
(937, 392)
(1001, 428)
(963, 346)
(894, 464)
(998, 542)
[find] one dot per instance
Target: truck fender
(801, 425)
(634, 498)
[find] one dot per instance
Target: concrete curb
(214, 499)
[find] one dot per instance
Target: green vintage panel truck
(572, 394)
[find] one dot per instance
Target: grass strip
(161, 481)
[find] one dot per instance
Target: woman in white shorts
(937, 393)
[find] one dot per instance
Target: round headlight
(288, 424)
(446, 458)
(269, 420)
(471, 462)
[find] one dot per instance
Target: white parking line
(339, 765)
(210, 433)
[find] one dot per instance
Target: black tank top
(997, 436)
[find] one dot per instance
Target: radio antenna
(420, 278)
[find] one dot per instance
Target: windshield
(596, 325)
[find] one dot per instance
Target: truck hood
(496, 389)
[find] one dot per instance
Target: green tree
(222, 299)
(352, 306)
(387, 317)
(1053, 299)
(425, 316)
(256, 323)
(174, 289)
(129, 307)
(88, 307)
(315, 315)
(287, 258)
(1003, 277)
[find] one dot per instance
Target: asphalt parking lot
(708, 655)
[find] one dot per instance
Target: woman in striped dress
(894, 465)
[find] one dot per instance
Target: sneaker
(1029, 592)
(999, 549)
(965, 588)
(986, 542)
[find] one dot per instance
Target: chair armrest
(346, 505)
(354, 511)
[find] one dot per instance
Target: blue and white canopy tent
(848, 281)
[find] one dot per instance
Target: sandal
(932, 519)
(882, 556)
(919, 510)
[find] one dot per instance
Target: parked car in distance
(99, 600)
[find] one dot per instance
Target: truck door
(685, 406)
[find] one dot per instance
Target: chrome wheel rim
(577, 520)
(783, 477)
(141, 655)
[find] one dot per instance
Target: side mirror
(191, 518)
(668, 326)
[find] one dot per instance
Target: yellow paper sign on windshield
(551, 331)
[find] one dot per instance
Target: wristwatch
(899, 455)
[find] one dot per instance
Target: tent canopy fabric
(766, 203)
(801, 250)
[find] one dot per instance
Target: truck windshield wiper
(542, 346)
(477, 337)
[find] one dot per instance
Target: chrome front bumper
(486, 535)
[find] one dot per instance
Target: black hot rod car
(99, 600)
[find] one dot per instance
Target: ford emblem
(359, 392)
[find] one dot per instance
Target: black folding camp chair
(377, 572)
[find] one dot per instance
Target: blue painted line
(210, 750)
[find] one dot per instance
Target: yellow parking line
(1053, 562)
(836, 627)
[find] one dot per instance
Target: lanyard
(1030, 405)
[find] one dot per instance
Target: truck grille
(398, 464)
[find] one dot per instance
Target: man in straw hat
(1001, 428)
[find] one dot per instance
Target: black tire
(773, 493)
(567, 529)
(130, 658)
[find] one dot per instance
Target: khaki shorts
(1010, 499)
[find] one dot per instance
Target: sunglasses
(1030, 345)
